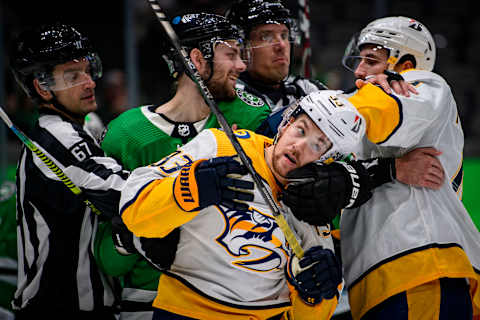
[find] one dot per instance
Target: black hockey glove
(316, 276)
(122, 237)
(161, 251)
(380, 170)
(393, 76)
(213, 182)
(317, 192)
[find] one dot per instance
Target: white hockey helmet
(335, 116)
(401, 36)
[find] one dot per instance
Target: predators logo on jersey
(255, 238)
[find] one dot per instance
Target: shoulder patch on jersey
(250, 99)
(242, 134)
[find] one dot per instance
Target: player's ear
(42, 90)
(198, 60)
(407, 64)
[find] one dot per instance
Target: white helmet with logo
(335, 116)
(401, 35)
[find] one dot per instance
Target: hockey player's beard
(222, 89)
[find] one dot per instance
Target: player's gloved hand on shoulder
(122, 237)
(316, 276)
(213, 182)
(317, 192)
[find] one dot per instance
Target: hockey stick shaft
(46, 160)
(207, 96)
(304, 12)
(304, 19)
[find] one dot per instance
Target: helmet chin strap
(54, 101)
(210, 63)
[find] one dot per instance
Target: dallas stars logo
(249, 99)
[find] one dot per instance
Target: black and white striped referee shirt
(55, 229)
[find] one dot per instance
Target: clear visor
(318, 144)
(230, 50)
(74, 73)
(352, 56)
(352, 62)
(351, 51)
(268, 38)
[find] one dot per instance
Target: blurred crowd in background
(130, 42)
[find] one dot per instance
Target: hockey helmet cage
(339, 120)
(37, 51)
(401, 36)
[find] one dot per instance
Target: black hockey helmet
(37, 51)
(202, 31)
(250, 13)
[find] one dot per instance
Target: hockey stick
(304, 21)
(304, 14)
(207, 96)
(46, 160)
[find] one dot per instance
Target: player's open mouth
(290, 158)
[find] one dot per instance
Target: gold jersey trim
(176, 297)
(399, 274)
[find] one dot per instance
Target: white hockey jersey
(229, 264)
(405, 236)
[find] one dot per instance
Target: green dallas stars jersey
(140, 136)
(247, 111)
